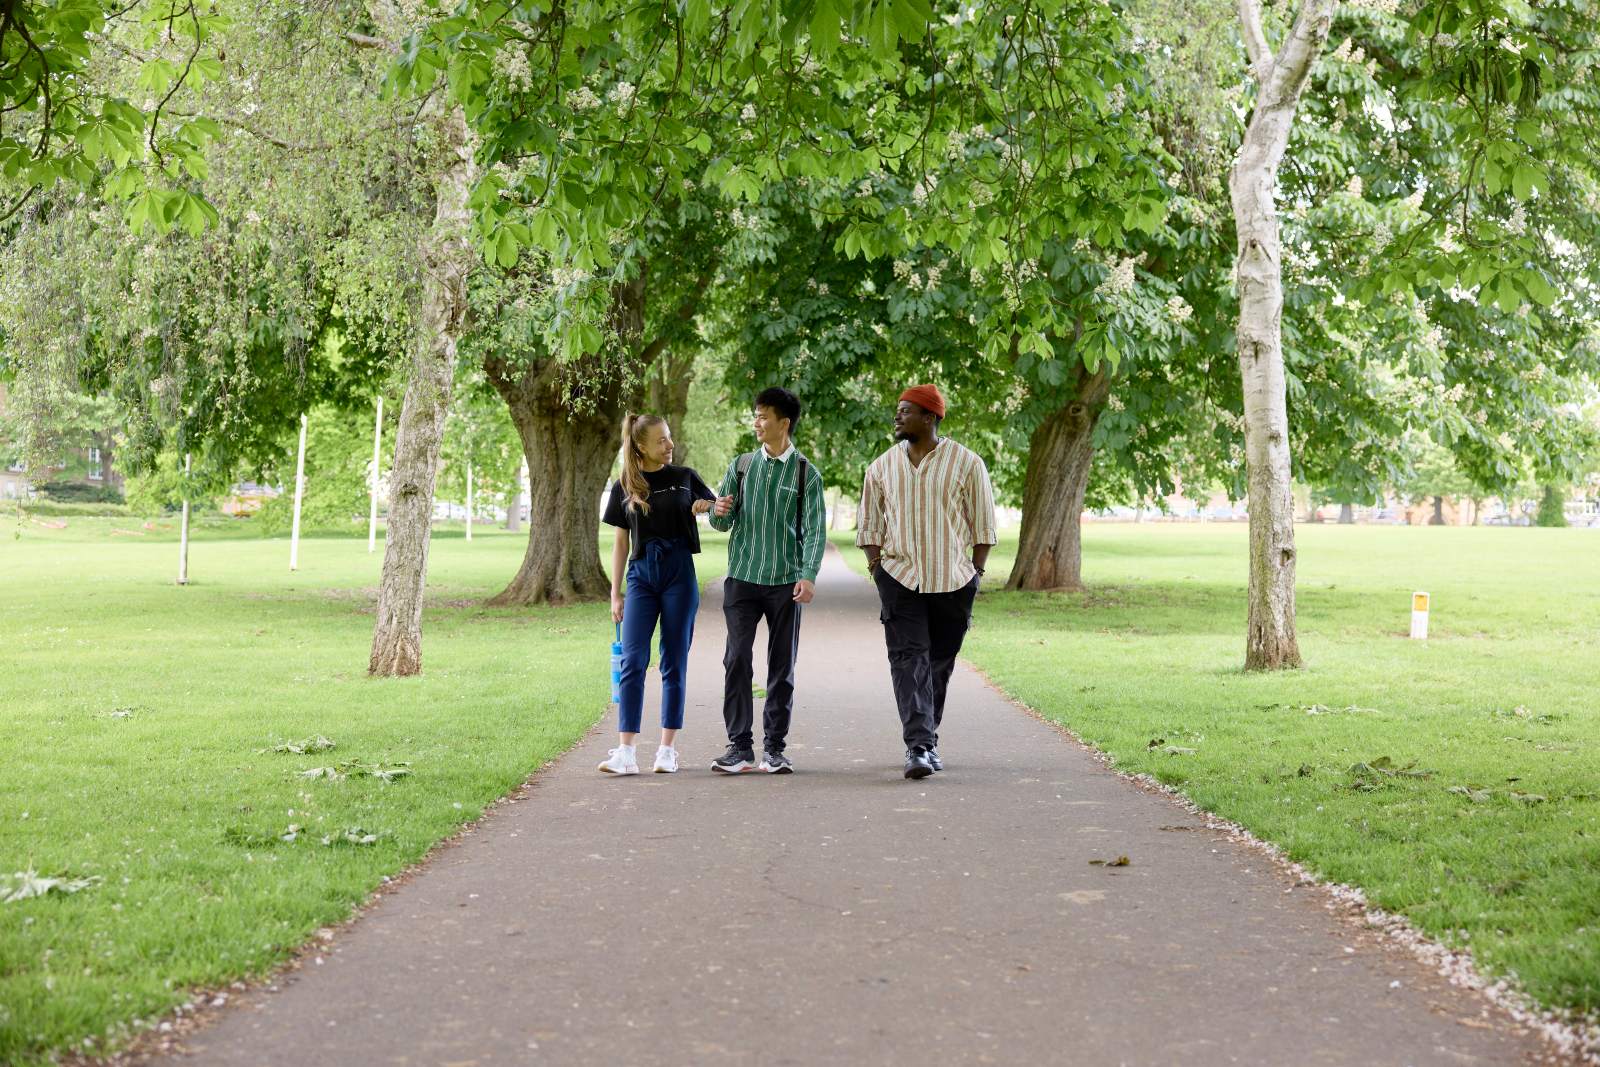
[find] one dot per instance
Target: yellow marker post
(1419, 616)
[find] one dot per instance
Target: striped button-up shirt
(927, 518)
(763, 548)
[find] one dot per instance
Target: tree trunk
(446, 257)
(514, 510)
(1347, 514)
(569, 454)
(1270, 642)
(667, 395)
(1050, 550)
(1437, 518)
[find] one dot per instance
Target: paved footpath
(844, 915)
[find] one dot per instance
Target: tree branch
(1300, 49)
(307, 146)
(684, 313)
(1255, 40)
(362, 40)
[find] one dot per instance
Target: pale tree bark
(514, 511)
(1270, 642)
(1060, 455)
(446, 257)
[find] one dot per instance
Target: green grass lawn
(133, 715)
(1488, 836)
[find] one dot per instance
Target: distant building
(246, 498)
(89, 464)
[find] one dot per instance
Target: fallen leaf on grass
(1522, 714)
(354, 768)
(30, 883)
(301, 748)
(1120, 861)
(295, 832)
(1365, 775)
(1319, 709)
(234, 835)
(1477, 796)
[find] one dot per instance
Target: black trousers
(743, 605)
(924, 632)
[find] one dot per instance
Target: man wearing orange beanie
(926, 524)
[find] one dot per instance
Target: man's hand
(616, 607)
(804, 591)
(724, 506)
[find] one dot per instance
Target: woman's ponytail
(637, 490)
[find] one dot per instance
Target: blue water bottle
(616, 667)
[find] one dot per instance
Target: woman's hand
(700, 507)
(616, 606)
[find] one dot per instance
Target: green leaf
(826, 26)
(696, 16)
(157, 75)
(505, 248)
(1524, 180)
(204, 69)
(1540, 288)
(911, 18)
(589, 337)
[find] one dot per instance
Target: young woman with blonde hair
(653, 507)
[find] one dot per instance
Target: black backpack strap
(741, 467)
(800, 509)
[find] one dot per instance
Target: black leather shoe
(917, 764)
(933, 758)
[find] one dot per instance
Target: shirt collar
(784, 458)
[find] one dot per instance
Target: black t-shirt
(673, 491)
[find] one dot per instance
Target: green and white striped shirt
(762, 549)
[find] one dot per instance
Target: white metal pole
(183, 530)
(469, 500)
(377, 442)
(299, 494)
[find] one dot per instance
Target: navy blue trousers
(661, 589)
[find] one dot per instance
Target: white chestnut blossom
(1120, 280)
(511, 63)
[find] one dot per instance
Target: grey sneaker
(776, 763)
(735, 761)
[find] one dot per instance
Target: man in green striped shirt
(772, 501)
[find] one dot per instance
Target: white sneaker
(666, 760)
(621, 761)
